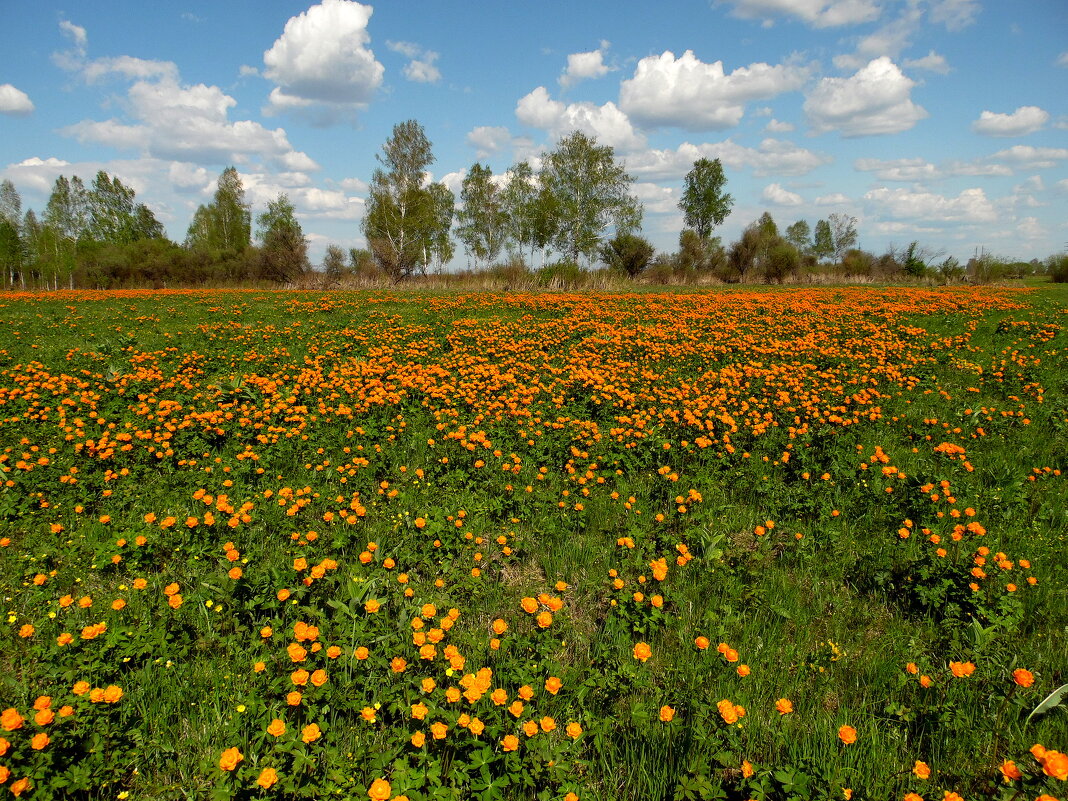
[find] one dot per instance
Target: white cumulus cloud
(932, 62)
(14, 101)
(1028, 157)
(817, 13)
(777, 195)
(971, 205)
(773, 156)
(582, 66)
(420, 68)
(1025, 120)
(607, 122)
(489, 140)
(322, 58)
(874, 100)
(688, 93)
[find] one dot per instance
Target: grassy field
(737, 544)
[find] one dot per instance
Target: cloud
(778, 196)
(874, 100)
(1030, 228)
(954, 14)
(773, 156)
(656, 199)
(774, 126)
(1025, 120)
(421, 68)
(247, 71)
(35, 173)
(1062, 59)
(72, 59)
(128, 67)
(189, 123)
(1028, 157)
(888, 40)
(817, 13)
(607, 123)
(834, 199)
(688, 93)
(322, 60)
(14, 102)
(918, 169)
(932, 62)
(971, 205)
(488, 140)
(581, 66)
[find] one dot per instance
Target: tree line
(576, 210)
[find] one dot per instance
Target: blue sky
(942, 121)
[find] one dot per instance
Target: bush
(560, 275)
(1057, 268)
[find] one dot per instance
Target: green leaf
(1052, 700)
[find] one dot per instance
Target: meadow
(748, 543)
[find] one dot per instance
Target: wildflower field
(738, 544)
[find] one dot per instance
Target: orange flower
(1009, 771)
(112, 694)
(1055, 764)
(702, 643)
(44, 717)
(230, 758)
(372, 606)
(39, 741)
(573, 729)
(361, 653)
(1025, 678)
(293, 698)
(642, 651)
(10, 719)
(267, 778)
(26, 631)
(847, 734)
(310, 733)
(784, 706)
(743, 670)
(553, 685)
(438, 730)
(398, 664)
(747, 768)
(667, 713)
(175, 601)
(80, 688)
(299, 677)
(961, 669)
(418, 739)
(380, 790)
(20, 786)
(922, 770)
(319, 678)
(277, 727)
(530, 605)
(510, 742)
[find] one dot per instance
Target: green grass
(320, 396)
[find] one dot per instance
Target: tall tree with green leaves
(284, 252)
(481, 219)
(590, 192)
(403, 219)
(800, 236)
(843, 233)
(530, 211)
(225, 224)
(703, 201)
(823, 241)
(435, 232)
(11, 239)
(111, 211)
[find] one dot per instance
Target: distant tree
(404, 220)
(334, 264)
(843, 233)
(146, 226)
(437, 224)
(745, 253)
(823, 241)
(782, 259)
(111, 211)
(481, 219)
(589, 192)
(530, 210)
(284, 252)
(704, 202)
(225, 224)
(12, 248)
(800, 236)
(692, 253)
(628, 253)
